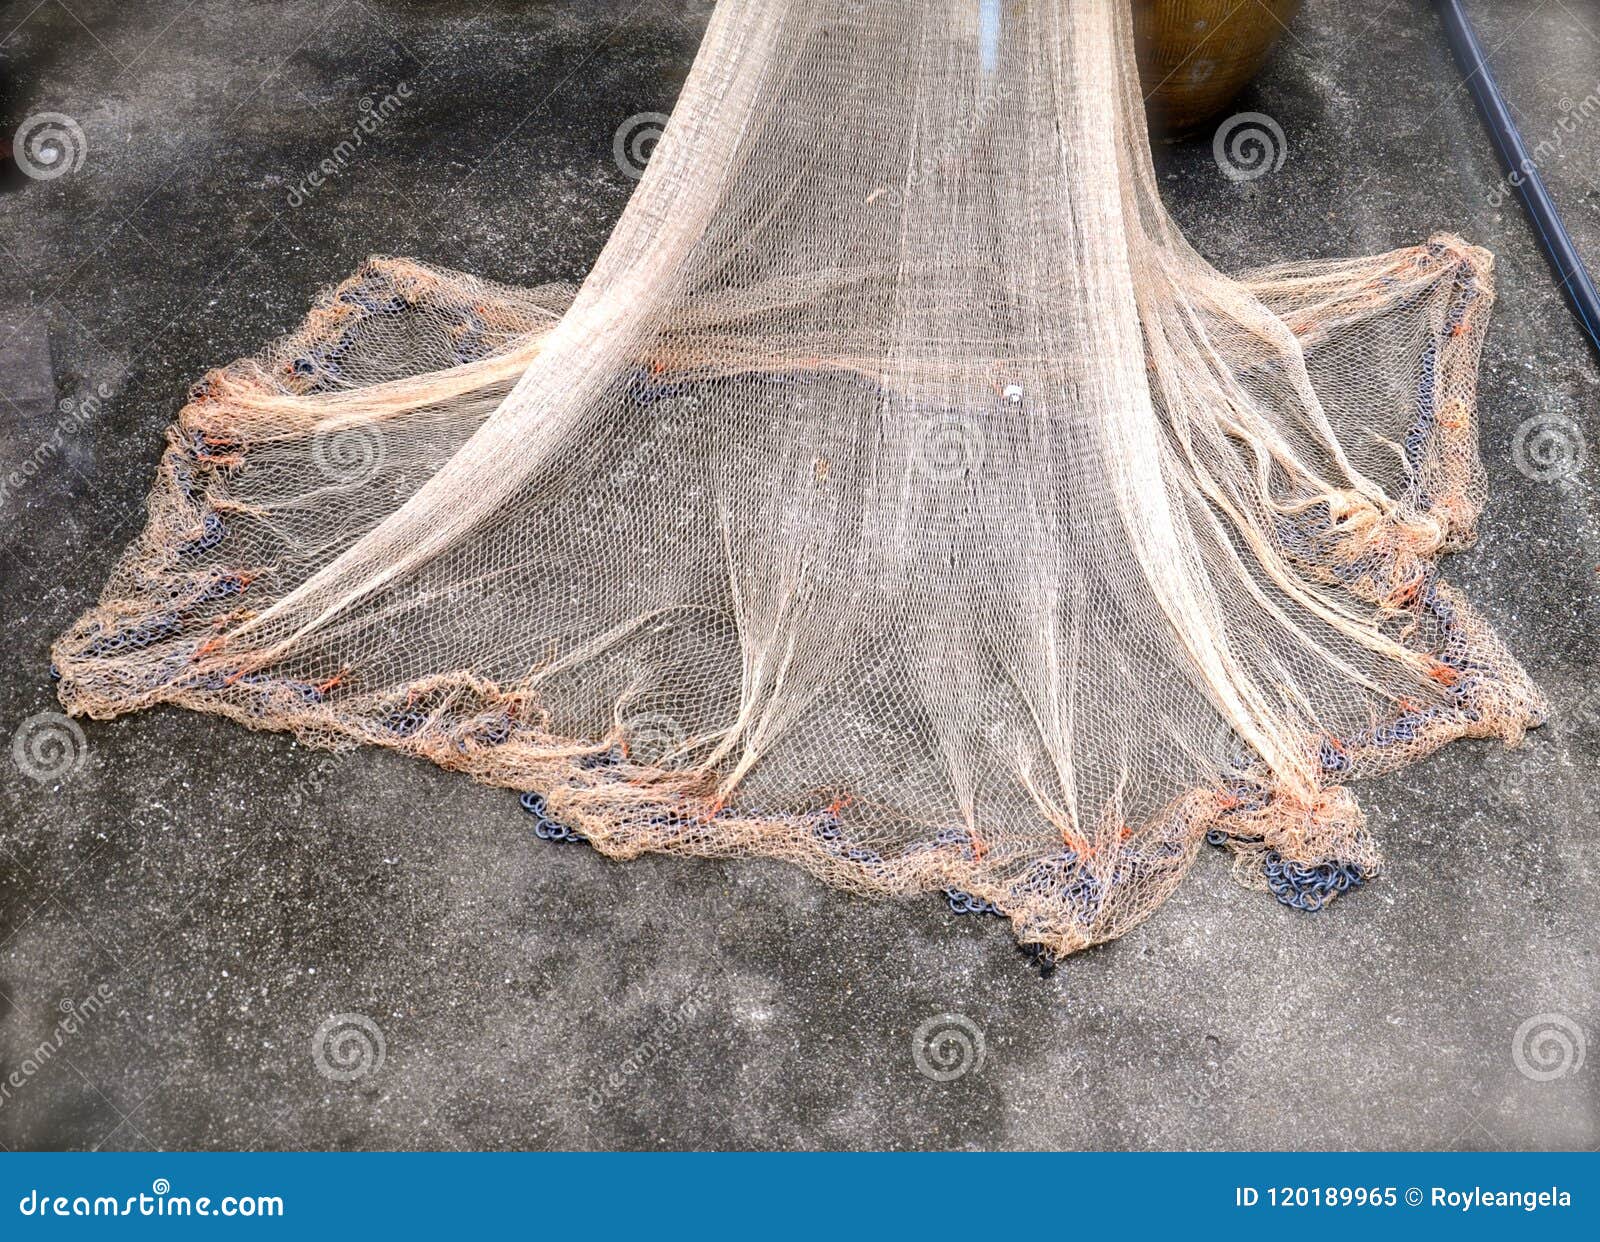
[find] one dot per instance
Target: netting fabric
(899, 495)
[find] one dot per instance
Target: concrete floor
(207, 898)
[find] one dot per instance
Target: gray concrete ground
(180, 917)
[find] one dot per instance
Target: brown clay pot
(1196, 55)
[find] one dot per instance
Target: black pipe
(1573, 276)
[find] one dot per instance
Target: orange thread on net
(1443, 674)
(1406, 593)
(210, 442)
(336, 680)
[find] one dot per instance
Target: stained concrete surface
(203, 900)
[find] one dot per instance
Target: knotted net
(900, 495)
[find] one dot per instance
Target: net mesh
(899, 495)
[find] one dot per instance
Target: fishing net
(900, 495)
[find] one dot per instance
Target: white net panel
(899, 495)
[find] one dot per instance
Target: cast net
(899, 495)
